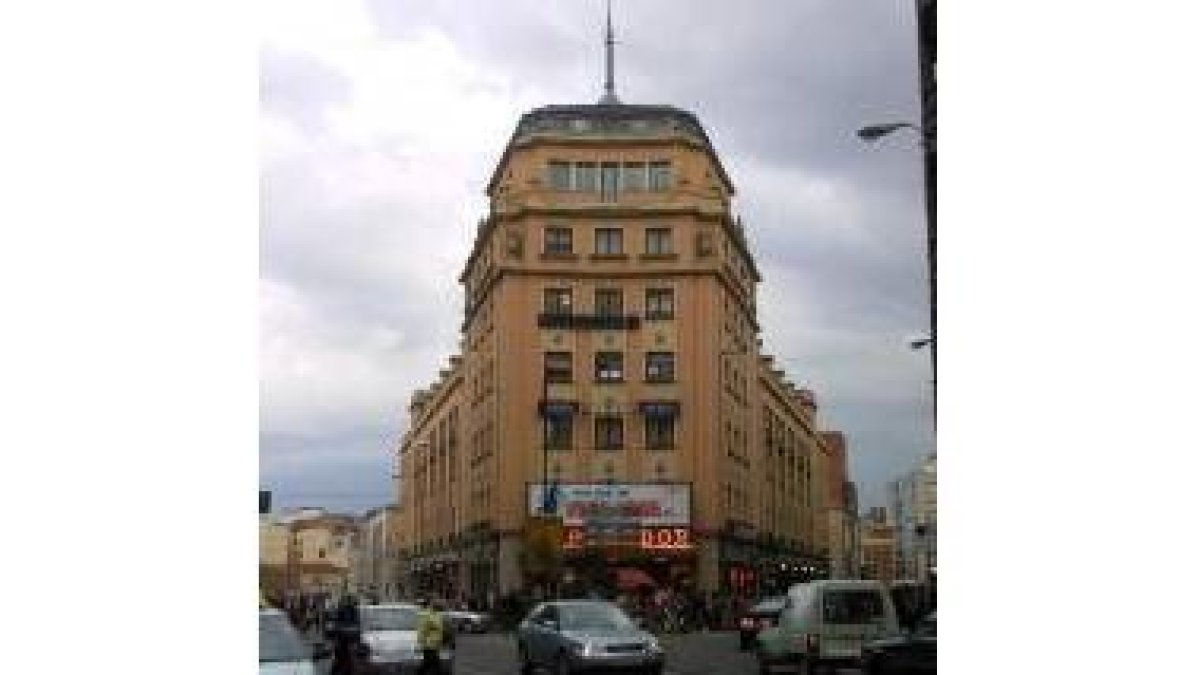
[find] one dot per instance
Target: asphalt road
(705, 653)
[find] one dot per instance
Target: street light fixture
(920, 343)
(874, 132)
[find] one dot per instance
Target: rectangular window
(660, 176)
(610, 174)
(556, 301)
(660, 432)
(608, 241)
(610, 367)
(852, 607)
(587, 179)
(559, 175)
(558, 366)
(633, 177)
(658, 240)
(660, 303)
(660, 366)
(559, 431)
(610, 433)
(609, 302)
(558, 240)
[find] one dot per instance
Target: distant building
(305, 551)
(914, 502)
(842, 506)
(878, 542)
(376, 553)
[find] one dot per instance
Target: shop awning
(632, 578)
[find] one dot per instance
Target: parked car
(826, 623)
(763, 615)
(914, 653)
(575, 635)
(912, 600)
(281, 648)
(469, 622)
(389, 638)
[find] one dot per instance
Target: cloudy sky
(380, 123)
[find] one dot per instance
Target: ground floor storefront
(752, 569)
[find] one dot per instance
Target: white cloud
(328, 29)
(319, 374)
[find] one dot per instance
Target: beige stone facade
(880, 553)
(376, 554)
(612, 281)
(307, 553)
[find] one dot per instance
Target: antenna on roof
(610, 96)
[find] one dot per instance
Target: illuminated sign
(647, 538)
(666, 538)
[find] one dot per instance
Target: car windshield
(388, 618)
(768, 606)
(848, 606)
(278, 641)
(592, 615)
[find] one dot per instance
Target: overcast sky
(382, 121)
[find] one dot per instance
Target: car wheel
(562, 665)
(764, 668)
(523, 659)
(806, 667)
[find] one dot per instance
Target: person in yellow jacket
(431, 634)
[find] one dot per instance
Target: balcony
(588, 321)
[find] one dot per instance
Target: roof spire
(610, 96)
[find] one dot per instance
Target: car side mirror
(321, 651)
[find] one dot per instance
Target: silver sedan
(575, 636)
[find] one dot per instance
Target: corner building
(610, 343)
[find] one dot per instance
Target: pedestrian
(431, 633)
(346, 632)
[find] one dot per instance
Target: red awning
(630, 578)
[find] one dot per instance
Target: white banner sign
(627, 505)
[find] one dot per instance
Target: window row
(610, 367)
(659, 432)
(660, 302)
(608, 241)
(609, 178)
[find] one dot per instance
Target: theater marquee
(619, 506)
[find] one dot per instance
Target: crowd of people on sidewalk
(661, 609)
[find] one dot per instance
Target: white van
(826, 623)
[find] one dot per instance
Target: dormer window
(609, 180)
(660, 176)
(559, 175)
(587, 179)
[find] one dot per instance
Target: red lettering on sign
(666, 538)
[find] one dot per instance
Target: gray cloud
(781, 86)
(300, 88)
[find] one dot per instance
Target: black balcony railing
(588, 321)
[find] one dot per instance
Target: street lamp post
(926, 17)
(874, 132)
(545, 412)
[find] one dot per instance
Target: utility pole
(926, 14)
